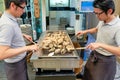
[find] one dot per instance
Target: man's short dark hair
(104, 5)
(16, 2)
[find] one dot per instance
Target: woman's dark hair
(104, 5)
(16, 2)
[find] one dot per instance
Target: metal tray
(42, 54)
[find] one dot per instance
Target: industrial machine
(55, 66)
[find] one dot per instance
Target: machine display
(86, 6)
(59, 3)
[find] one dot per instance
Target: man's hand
(80, 33)
(29, 38)
(93, 46)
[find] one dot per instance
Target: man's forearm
(92, 30)
(112, 49)
(10, 52)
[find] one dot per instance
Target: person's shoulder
(100, 23)
(4, 20)
(118, 19)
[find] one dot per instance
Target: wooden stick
(33, 42)
(79, 48)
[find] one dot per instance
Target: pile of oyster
(57, 42)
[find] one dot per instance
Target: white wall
(70, 15)
(43, 5)
(47, 8)
(64, 14)
(58, 14)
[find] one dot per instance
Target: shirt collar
(10, 16)
(114, 21)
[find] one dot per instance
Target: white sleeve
(100, 24)
(6, 34)
(117, 37)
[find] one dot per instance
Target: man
(101, 64)
(12, 45)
